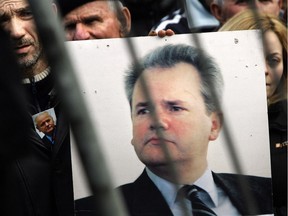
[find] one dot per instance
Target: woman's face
(274, 62)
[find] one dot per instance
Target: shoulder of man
(128, 190)
(241, 188)
(142, 197)
(235, 178)
(86, 206)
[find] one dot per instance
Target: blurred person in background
(202, 19)
(147, 13)
(219, 10)
(275, 48)
(223, 10)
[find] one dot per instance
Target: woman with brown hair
(275, 47)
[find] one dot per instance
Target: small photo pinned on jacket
(45, 124)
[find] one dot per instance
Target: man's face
(232, 7)
(45, 123)
(93, 20)
(16, 18)
(182, 118)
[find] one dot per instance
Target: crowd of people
(38, 181)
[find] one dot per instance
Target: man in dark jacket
(38, 181)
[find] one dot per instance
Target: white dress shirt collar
(167, 189)
(170, 190)
(213, 196)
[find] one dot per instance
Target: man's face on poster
(183, 120)
(45, 123)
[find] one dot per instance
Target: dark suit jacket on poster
(47, 142)
(143, 198)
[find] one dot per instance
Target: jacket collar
(246, 192)
(142, 204)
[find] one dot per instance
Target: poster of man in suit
(244, 102)
(45, 125)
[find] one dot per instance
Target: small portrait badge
(45, 125)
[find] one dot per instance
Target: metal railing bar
(51, 33)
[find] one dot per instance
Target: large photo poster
(101, 66)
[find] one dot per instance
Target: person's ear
(126, 25)
(132, 141)
(216, 11)
(280, 4)
(54, 8)
(216, 119)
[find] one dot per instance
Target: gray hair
(41, 114)
(169, 55)
(219, 2)
(113, 4)
(116, 6)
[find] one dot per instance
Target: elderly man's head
(97, 19)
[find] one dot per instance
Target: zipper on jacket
(34, 93)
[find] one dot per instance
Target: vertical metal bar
(135, 59)
(229, 141)
(13, 106)
(244, 185)
(51, 33)
(146, 92)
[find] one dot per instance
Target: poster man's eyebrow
(166, 102)
(173, 102)
(142, 104)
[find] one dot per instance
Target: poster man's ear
(216, 119)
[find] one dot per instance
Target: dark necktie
(198, 206)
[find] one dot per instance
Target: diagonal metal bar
(250, 201)
(229, 141)
(13, 104)
(51, 33)
(135, 59)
